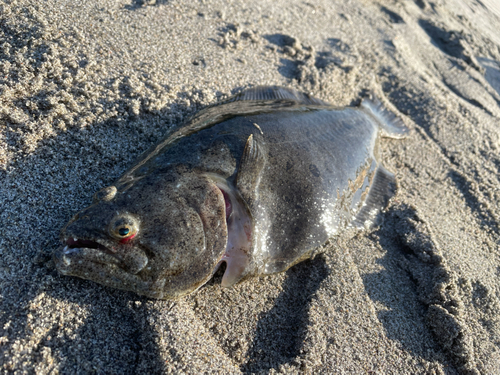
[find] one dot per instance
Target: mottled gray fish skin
(258, 181)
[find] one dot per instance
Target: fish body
(258, 181)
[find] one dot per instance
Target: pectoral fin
(249, 172)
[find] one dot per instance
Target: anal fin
(382, 189)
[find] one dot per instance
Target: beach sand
(86, 86)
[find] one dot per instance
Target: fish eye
(124, 227)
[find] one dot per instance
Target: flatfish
(259, 182)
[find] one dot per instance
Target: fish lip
(73, 242)
(66, 257)
(96, 251)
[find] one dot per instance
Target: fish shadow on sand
(115, 337)
(87, 328)
(403, 283)
(280, 331)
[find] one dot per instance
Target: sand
(86, 86)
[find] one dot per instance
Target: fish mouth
(81, 253)
(94, 261)
(74, 243)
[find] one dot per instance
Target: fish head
(161, 236)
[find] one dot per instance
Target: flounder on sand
(258, 181)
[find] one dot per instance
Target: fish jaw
(80, 257)
(103, 265)
(104, 268)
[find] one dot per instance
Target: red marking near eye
(128, 239)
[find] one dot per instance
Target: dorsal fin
(260, 93)
(382, 189)
(391, 125)
(260, 99)
(249, 172)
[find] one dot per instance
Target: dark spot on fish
(314, 170)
